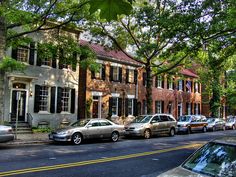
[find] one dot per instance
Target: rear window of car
(213, 159)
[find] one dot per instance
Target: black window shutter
(195, 106)
(168, 82)
(59, 97)
(103, 72)
(54, 62)
(135, 76)
(61, 62)
(127, 75)
(186, 110)
(126, 106)
(39, 60)
(72, 105)
(92, 74)
(32, 52)
(37, 98)
(111, 73)
(162, 81)
(52, 105)
(144, 78)
(155, 106)
(135, 108)
(174, 85)
(14, 53)
(120, 74)
(110, 106)
(198, 87)
(74, 63)
(156, 81)
(183, 85)
(162, 106)
(120, 106)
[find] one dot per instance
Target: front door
(21, 99)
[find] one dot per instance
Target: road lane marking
(95, 161)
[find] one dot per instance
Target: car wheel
(115, 136)
(233, 127)
(76, 138)
(204, 129)
(188, 130)
(172, 132)
(147, 134)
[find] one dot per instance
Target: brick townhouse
(176, 95)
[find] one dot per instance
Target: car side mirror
(88, 126)
(153, 121)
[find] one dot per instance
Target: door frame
(26, 97)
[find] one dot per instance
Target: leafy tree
(157, 34)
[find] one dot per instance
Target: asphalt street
(135, 157)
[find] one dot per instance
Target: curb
(24, 142)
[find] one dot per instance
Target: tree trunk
(215, 99)
(2, 54)
(149, 89)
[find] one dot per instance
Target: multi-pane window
(98, 75)
(196, 87)
(115, 73)
(131, 76)
(44, 96)
(188, 108)
(159, 81)
(65, 99)
(180, 109)
(180, 85)
(115, 106)
(170, 105)
(130, 106)
(158, 106)
(170, 83)
(22, 54)
(47, 61)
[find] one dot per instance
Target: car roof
(231, 140)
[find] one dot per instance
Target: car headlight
(64, 132)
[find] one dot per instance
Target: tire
(172, 132)
(233, 127)
(114, 136)
(188, 130)
(76, 138)
(204, 129)
(147, 134)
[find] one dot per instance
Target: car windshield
(230, 119)
(80, 123)
(210, 120)
(213, 159)
(142, 119)
(184, 118)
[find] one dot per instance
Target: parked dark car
(216, 158)
(88, 129)
(148, 125)
(215, 124)
(191, 123)
(231, 123)
(6, 134)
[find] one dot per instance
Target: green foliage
(8, 64)
(41, 130)
(110, 9)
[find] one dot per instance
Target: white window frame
(116, 76)
(131, 76)
(181, 108)
(170, 83)
(116, 106)
(98, 75)
(180, 85)
(196, 109)
(196, 87)
(19, 51)
(132, 107)
(44, 93)
(66, 97)
(189, 108)
(158, 107)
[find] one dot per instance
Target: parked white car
(6, 134)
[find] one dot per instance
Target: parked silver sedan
(88, 129)
(148, 125)
(215, 124)
(231, 123)
(6, 134)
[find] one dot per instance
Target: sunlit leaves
(110, 9)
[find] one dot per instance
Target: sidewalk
(34, 138)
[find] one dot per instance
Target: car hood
(136, 125)
(180, 172)
(65, 129)
(182, 123)
(3, 127)
(210, 124)
(229, 123)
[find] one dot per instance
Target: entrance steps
(22, 128)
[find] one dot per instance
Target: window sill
(65, 113)
(44, 112)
